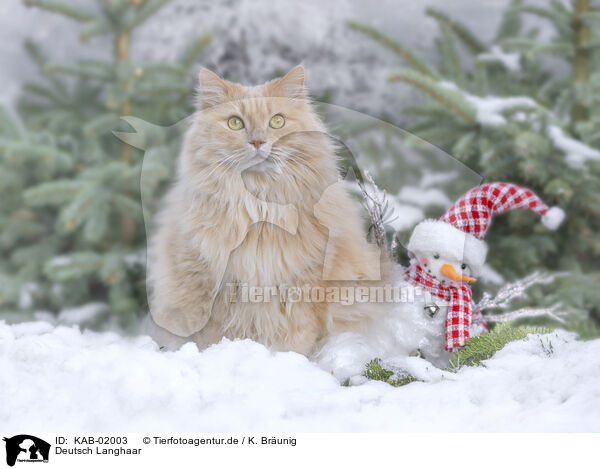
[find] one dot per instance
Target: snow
(63, 379)
(255, 40)
(410, 203)
(82, 314)
(424, 197)
(135, 259)
(60, 261)
(510, 60)
(403, 216)
(577, 153)
(489, 275)
(26, 294)
(488, 109)
(408, 207)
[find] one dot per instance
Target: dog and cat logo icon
(26, 448)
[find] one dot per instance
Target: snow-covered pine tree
(72, 228)
(524, 109)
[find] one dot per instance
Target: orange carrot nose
(449, 272)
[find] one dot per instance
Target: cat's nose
(257, 143)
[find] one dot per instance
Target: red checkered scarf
(460, 310)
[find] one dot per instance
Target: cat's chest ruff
(284, 216)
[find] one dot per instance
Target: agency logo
(26, 448)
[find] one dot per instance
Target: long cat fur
(202, 242)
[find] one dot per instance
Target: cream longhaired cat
(256, 203)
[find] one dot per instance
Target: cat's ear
(291, 85)
(212, 89)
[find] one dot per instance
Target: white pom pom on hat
(553, 218)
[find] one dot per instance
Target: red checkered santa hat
(458, 234)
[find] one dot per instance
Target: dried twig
(551, 312)
(375, 203)
(394, 248)
(515, 290)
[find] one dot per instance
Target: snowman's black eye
(436, 256)
(463, 266)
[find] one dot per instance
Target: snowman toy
(437, 315)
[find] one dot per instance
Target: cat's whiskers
(225, 161)
(293, 155)
(284, 161)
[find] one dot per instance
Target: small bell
(431, 309)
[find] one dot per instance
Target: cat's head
(266, 131)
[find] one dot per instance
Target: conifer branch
(145, 10)
(35, 53)
(72, 266)
(9, 127)
(511, 21)
(474, 44)
(97, 27)
(70, 11)
(447, 97)
(451, 58)
(581, 59)
(559, 16)
(100, 124)
(122, 43)
(522, 44)
(52, 193)
(66, 190)
(537, 11)
(590, 18)
(561, 48)
(78, 70)
(484, 346)
(41, 152)
(192, 51)
(405, 53)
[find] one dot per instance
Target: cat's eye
(436, 256)
(235, 123)
(277, 121)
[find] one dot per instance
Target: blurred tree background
(522, 107)
(73, 238)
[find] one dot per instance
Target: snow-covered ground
(57, 378)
